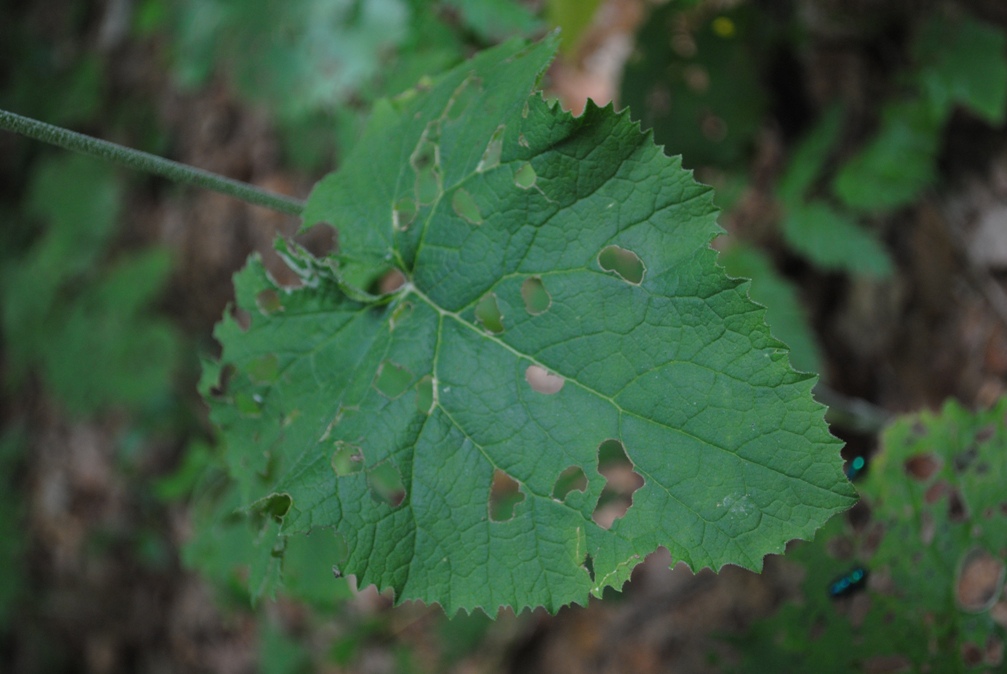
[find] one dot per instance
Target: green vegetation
(443, 404)
(931, 533)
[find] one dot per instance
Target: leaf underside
(560, 292)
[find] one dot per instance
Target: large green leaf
(561, 307)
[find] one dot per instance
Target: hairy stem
(149, 163)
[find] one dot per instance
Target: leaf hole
(269, 302)
(571, 479)
(505, 494)
(624, 263)
(465, 207)
(536, 298)
(391, 281)
(588, 566)
(980, 581)
(425, 163)
(425, 394)
(921, 467)
(273, 507)
(386, 485)
(241, 318)
(985, 433)
(543, 381)
(264, 369)
(220, 389)
(621, 482)
(488, 314)
(392, 380)
(936, 492)
(525, 177)
(963, 460)
(404, 213)
(346, 459)
(491, 156)
(972, 655)
(957, 512)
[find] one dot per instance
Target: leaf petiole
(148, 163)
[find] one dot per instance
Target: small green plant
(931, 535)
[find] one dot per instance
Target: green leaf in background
(897, 163)
(934, 547)
(83, 323)
(298, 55)
(498, 19)
(833, 240)
(808, 158)
(606, 334)
(695, 80)
(784, 313)
(964, 62)
(573, 18)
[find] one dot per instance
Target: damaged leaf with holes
(565, 380)
(932, 534)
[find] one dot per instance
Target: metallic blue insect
(856, 468)
(849, 583)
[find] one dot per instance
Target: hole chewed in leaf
(220, 389)
(488, 314)
(491, 157)
(536, 297)
(386, 485)
(588, 566)
(241, 318)
(346, 459)
(264, 369)
(624, 263)
(621, 482)
(571, 479)
(980, 581)
(525, 177)
(425, 161)
(268, 302)
(392, 380)
(274, 506)
(404, 213)
(392, 280)
(466, 207)
(505, 494)
(957, 510)
(543, 381)
(425, 395)
(921, 467)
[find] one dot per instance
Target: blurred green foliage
(318, 65)
(932, 531)
(77, 317)
(694, 79)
